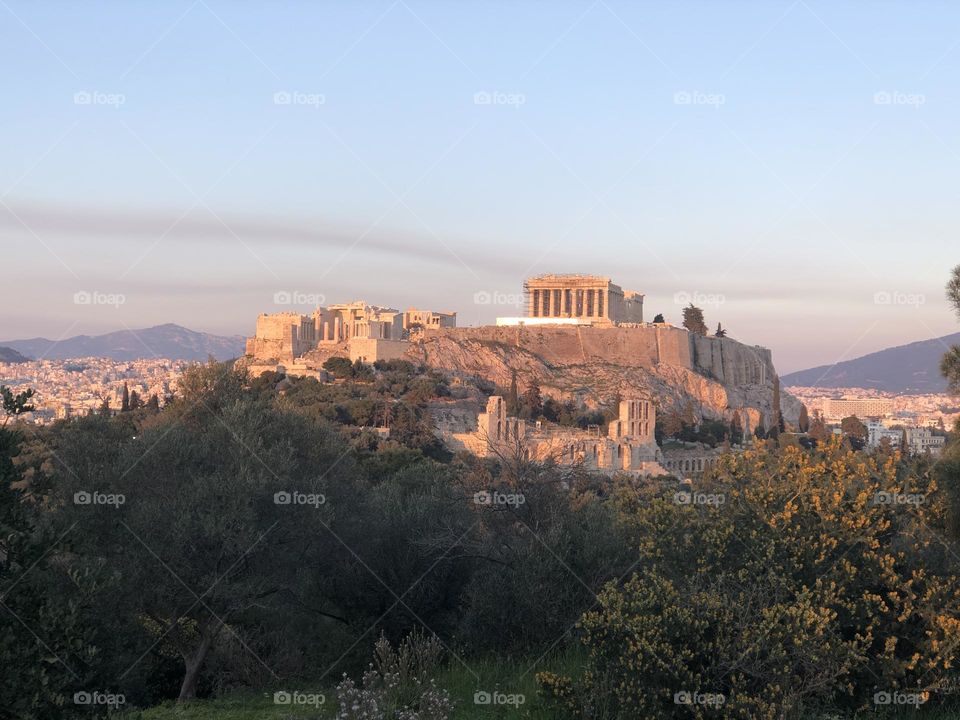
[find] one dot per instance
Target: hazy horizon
(788, 166)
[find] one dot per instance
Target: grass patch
(516, 677)
(511, 677)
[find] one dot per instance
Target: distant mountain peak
(166, 341)
(9, 355)
(910, 368)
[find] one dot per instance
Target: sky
(790, 167)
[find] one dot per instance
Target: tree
(736, 428)
(804, 422)
(532, 402)
(658, 318)
(339, 367)
(855, 431)
(105, 408)
(153, 404)
(720, 333)
(513, 397)
(777, 412)
(135, 402)
(43, 642)
(818, 429)
(693, 320)
(125, 399)
(950, 364)
(15, 405)
(760, 429)
(361, 371)
(224, 489)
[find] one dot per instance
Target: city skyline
(774, 164)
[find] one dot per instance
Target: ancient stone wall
(725, 360)
(593, 364)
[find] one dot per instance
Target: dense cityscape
(66, 388)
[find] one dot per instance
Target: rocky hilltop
(593, 364)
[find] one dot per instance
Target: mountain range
(165, 341)
(913, 368)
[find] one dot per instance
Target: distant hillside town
(919, 420)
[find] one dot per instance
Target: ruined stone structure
(596, 300)
(690, 461)
(337, 323)
(282, 336)
(628, 446)
(368, 332)
(413, 318)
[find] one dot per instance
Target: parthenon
(588, 298)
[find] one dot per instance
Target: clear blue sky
(789, 160)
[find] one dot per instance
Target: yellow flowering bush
(791, 581)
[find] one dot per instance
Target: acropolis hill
(582, 338)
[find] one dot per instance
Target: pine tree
(760, 431)
(532, 401)
(658, 318)
(736, 429)
(693, 320)
(513, 398)
(804, 421)
(950, 364)
(135, 402)
(777, 414)
(125, 399)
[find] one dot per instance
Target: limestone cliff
(594, 364)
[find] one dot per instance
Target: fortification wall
(637, 346)
(594, 364)
(646, 346)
